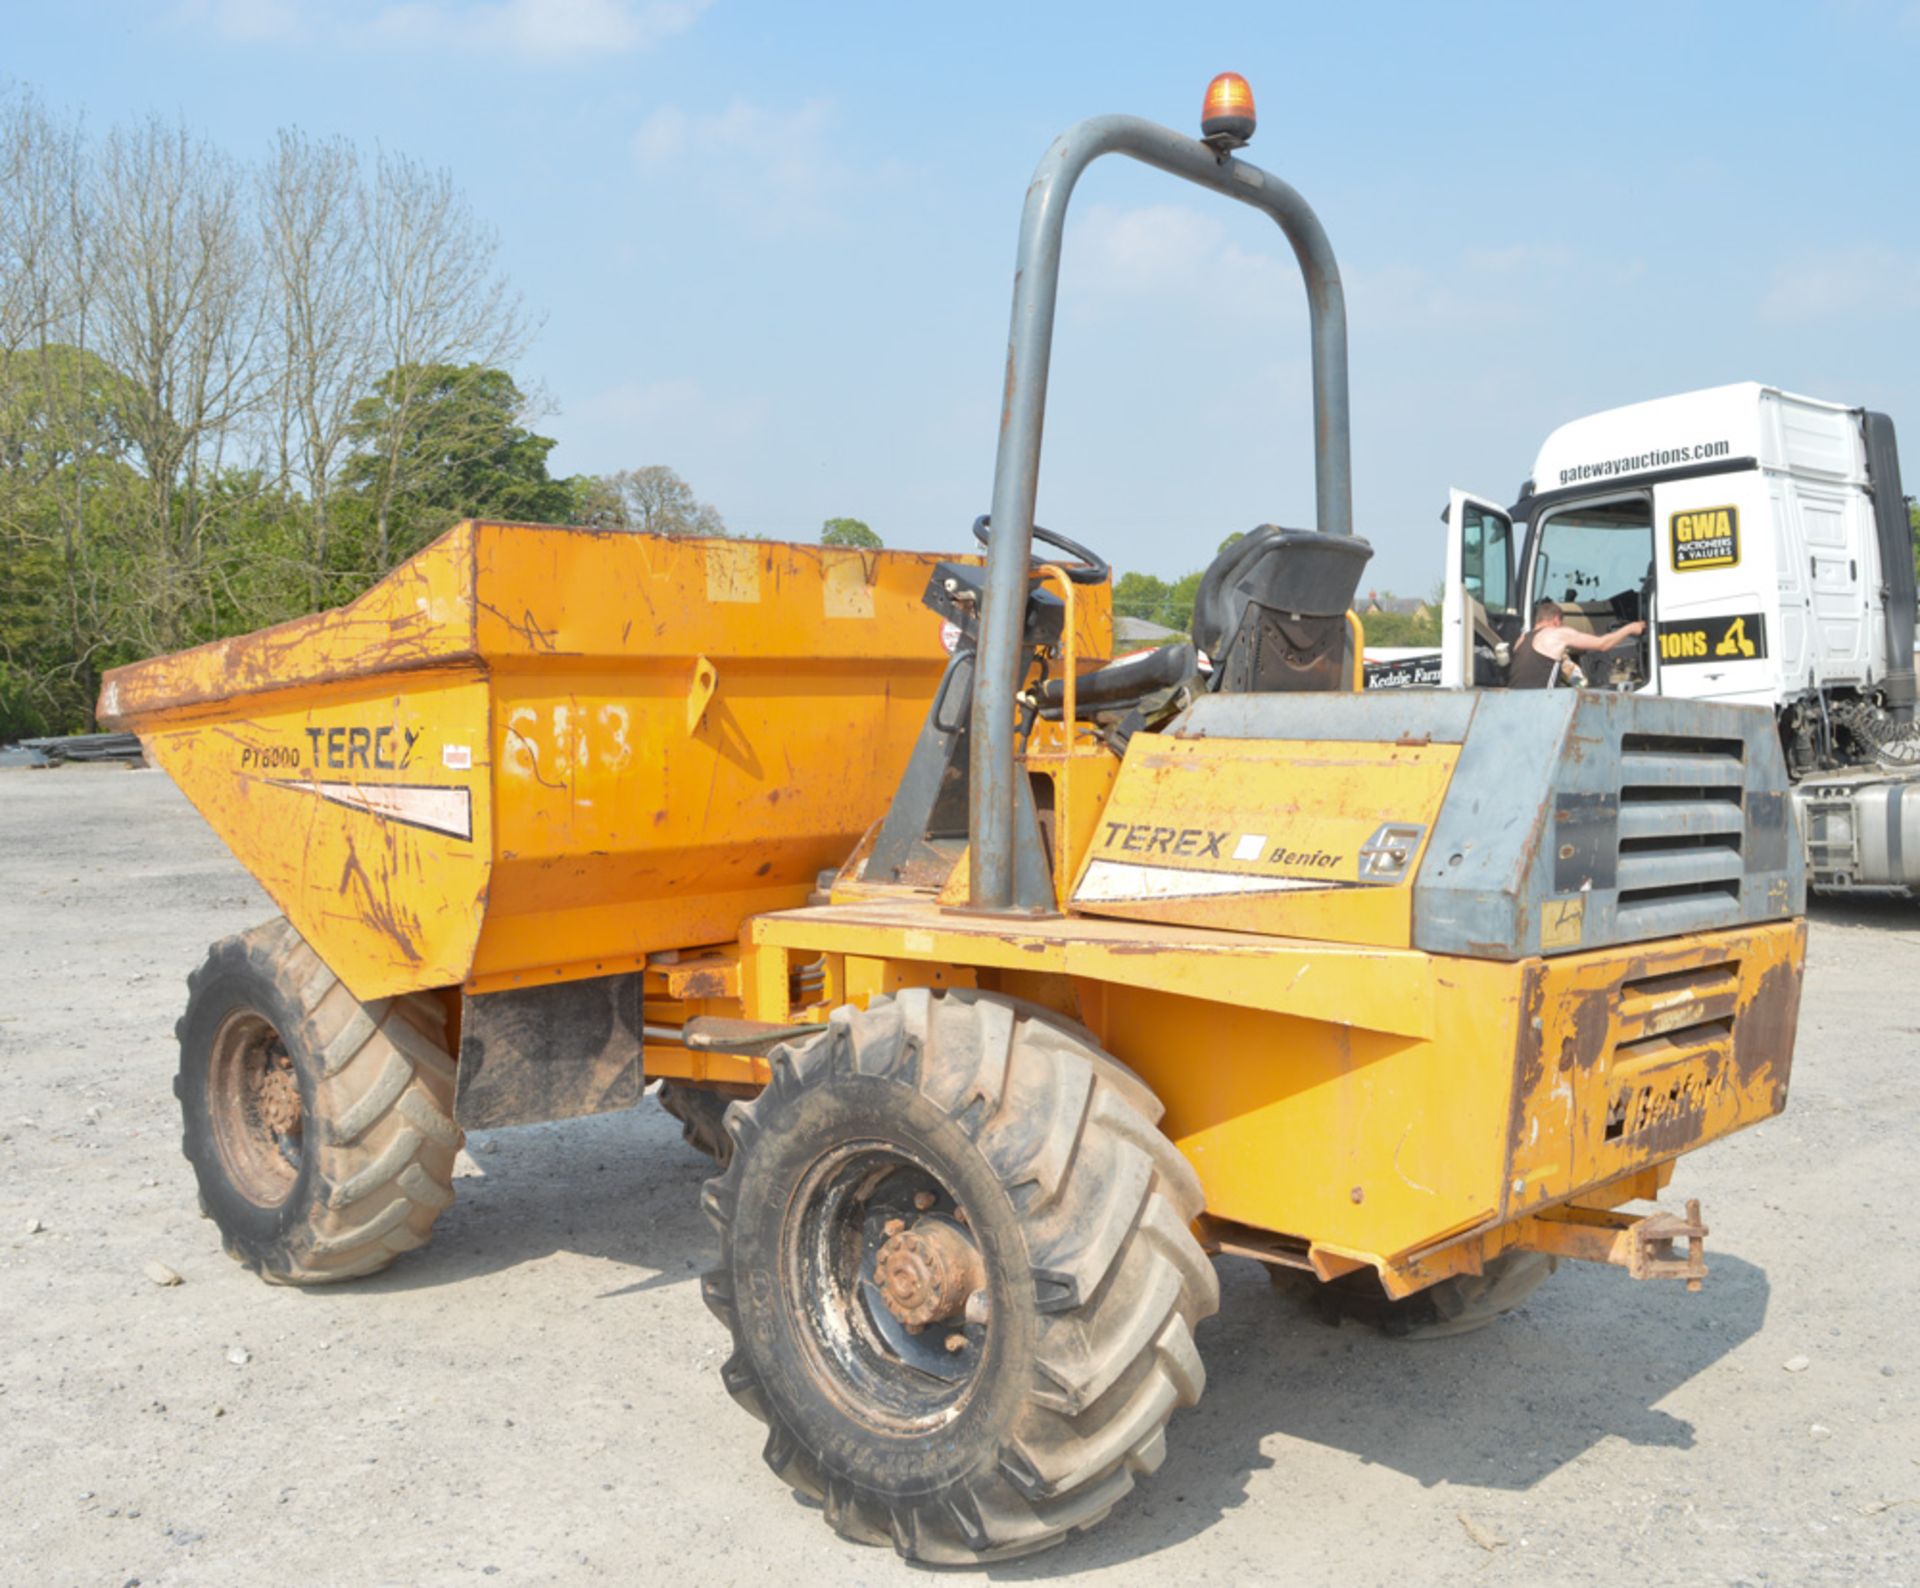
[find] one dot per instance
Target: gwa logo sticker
(1704, 537)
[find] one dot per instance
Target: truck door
(1477, 605)
(1834, 527)
(1595, 560)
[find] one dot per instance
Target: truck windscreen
(1596, 561)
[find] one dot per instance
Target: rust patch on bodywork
(1763, 1036)
(1591, 1022)
(1529, 1062)
(703, 977)
(1637, 1060)
(380, 910)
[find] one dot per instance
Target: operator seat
(1271, 613)
(1492, 655)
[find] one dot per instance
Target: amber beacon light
(1226, 116)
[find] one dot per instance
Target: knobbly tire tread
(702, 1115)
(377, 1088)
(1459, 1305)
(1104, 1204)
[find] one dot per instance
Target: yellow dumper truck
(1006, 982)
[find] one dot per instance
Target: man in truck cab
(1546, 645)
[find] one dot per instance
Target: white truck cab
(1764, 539)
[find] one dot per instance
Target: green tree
(60, 406)
(849, 532)
(192, 443)
(456, 449)
(1139, 595)
(70, 578)
(1401, 628)
(649, 501)
(34, 698)
(592, 501)
(1179, 607)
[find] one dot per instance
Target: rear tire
(702, 1113)
(1001, 1128)
(320, 1128)
(1459, 1305)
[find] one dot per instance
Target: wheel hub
(277, 1096)
(926, 1273)
(887, 1285)
(253, 1098)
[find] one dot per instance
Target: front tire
(320, 1128)
(958, 1271)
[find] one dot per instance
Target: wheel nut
(895, 1226)
(927, 1273)
(956, 1342)
(923, 1200)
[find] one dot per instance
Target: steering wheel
(1088, 567)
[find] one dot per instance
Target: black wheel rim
(842, 1224)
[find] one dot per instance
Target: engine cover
(1496, 825)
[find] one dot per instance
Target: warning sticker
(1705, 537)
(1562, 922)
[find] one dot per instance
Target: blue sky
(771, 244)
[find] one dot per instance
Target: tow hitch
(1646, 1246)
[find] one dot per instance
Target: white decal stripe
(438, 810)
(1117, 882)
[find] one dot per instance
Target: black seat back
(1271, 613)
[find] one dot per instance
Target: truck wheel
(1454, 1306)
(956, 1262)
(320, 1128)
(702, 1114)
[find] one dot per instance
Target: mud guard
(533, 1054)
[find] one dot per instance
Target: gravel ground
(535, 1397)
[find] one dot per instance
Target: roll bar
(993, 833)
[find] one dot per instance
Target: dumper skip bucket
(530, 754)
